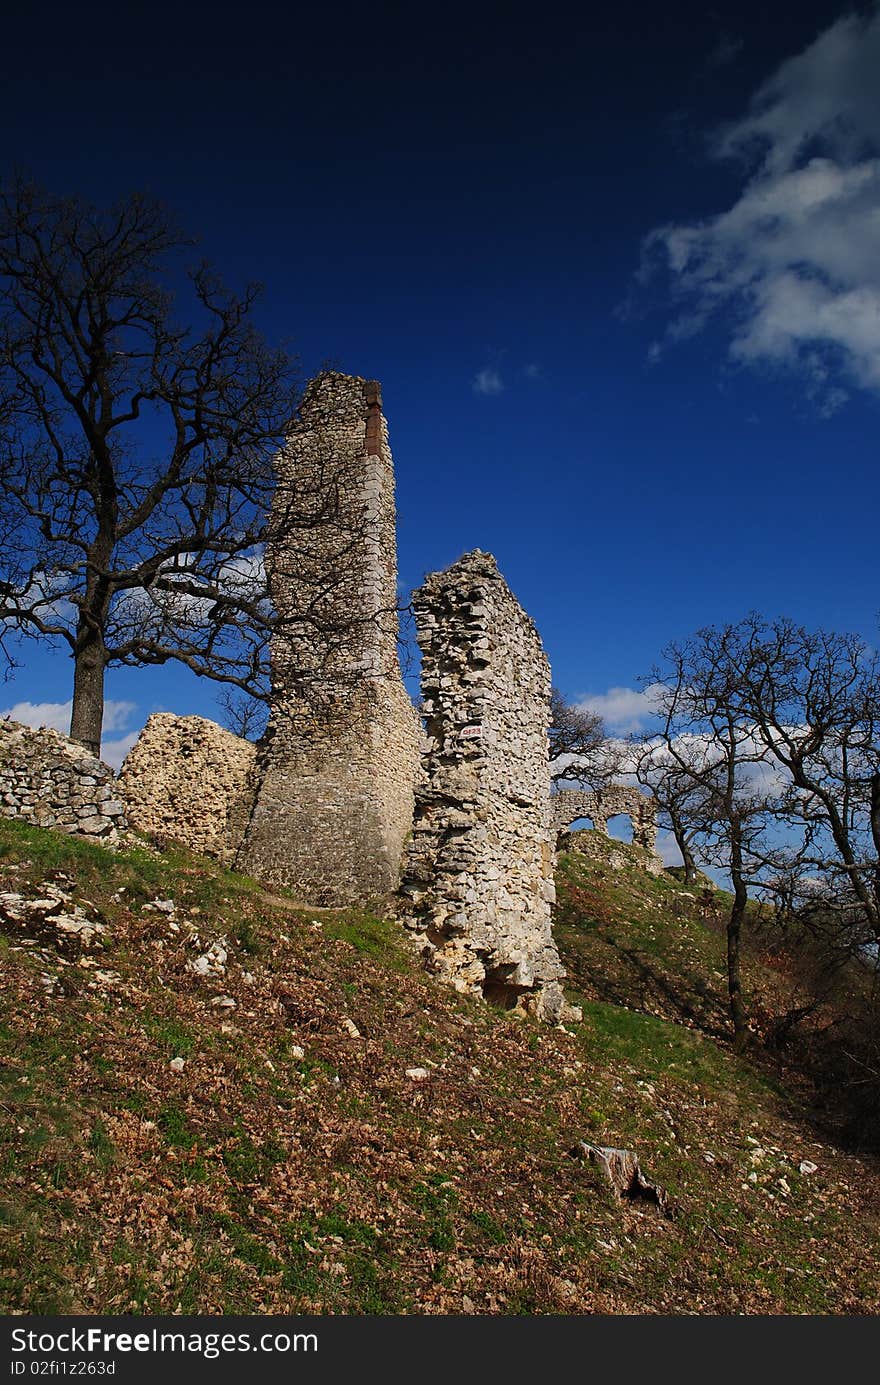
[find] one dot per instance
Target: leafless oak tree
(136, 451)
(708, 753)
(770, 757)
(814, 700)
(677, 797)
(579, 747)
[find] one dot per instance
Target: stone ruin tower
(478, 879)
(338, 764)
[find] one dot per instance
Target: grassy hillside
(206, 1108)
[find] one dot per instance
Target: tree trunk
(734, 932)
(87, 714)
(681, 841)
(690, 865)
(734, 982)
(875, 835)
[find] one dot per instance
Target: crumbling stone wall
(478, 880)
(339, 760)
(50, 781)
(188, 779)
(570, 804)
(606, 850)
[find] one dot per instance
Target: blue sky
(617, 274)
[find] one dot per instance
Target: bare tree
(814, 700)
(136, 453)
(243, 714)
(579, 747)
(724, 799)
(677, 797)
(770, 756)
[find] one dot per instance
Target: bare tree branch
(137, 456)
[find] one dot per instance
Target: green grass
(101, 1145)
(660, 1049)
(436, 1200)
(330, 1183)
(175, 1127)
(492, 1229)
(355, 1232)
(141, 873)
(375, 937)
(371, 1281)
(247, 1161)
(174, 1040)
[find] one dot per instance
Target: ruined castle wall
(50, 781)
(478, 882)
(570, 804)
(338, 763)
(188, 779)
(606, 850)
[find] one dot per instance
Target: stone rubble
(53, 916)
(211, 962)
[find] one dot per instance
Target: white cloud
(36, 714)
(623, 709)
(794, 259)
(488, 381)
(759, 772)
(117, 714)
(114, 752)
(57, 714)
(667, 849)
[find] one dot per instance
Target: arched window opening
(620, 827)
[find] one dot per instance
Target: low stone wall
(50, 781)
(188, 779)
(478, 879)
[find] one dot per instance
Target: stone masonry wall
(570, 804)
(50, 781)
(478, 880)
(188, 779)
(339, 760)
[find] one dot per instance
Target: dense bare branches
(768, 765)
(579, 747)
(712, 767)
(136, 454)
(676, 795)
(814, 700)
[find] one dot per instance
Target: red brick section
(373, 401)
